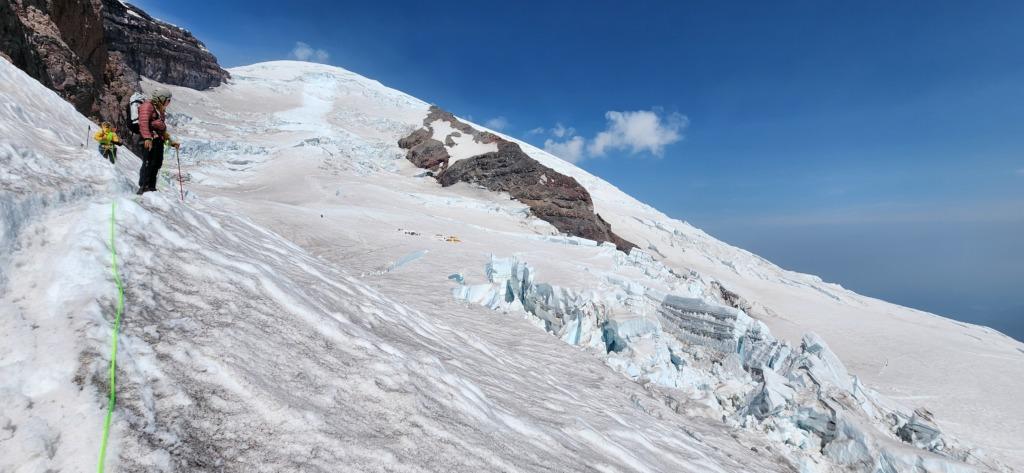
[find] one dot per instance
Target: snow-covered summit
(318, 301)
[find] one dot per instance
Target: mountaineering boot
(140, 191)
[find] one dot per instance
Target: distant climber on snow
(108, 141)
(153, 128)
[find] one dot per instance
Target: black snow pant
(151, 164)
(109, 154)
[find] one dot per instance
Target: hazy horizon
(972, 282)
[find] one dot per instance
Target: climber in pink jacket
(153, 129)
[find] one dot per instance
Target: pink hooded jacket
(151, 121)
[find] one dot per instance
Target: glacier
(721, 363)
(318, 303)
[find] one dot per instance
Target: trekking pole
(181, 185)
(88, 132)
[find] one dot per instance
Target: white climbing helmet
(162, 95)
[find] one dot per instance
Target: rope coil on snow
(113, 346)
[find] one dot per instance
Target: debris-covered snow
(318, 302)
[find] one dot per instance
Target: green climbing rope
(113, 344)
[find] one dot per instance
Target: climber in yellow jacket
(108, 140)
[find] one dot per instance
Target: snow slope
(968, 375)
(243, 351)
(347, 170)
(298, 313)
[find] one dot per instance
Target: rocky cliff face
(59, 43)
(553, 197)
(92, 52)
(158, 50)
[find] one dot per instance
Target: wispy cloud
(640, 131)
(560, 131)
(305, 52)
(497, 123)
(569, 150)
(1019, 172)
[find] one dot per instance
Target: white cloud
(560, 131)
(497, 123)
(1020, 172)
(642, 130)
(570, 150)
(637, 131)
(305, 52)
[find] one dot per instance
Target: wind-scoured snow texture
(54, 290)
(47, 156)
(335, 184)
(472, 156)
(242, 351)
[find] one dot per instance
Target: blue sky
(877, 144)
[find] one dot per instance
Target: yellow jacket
(107, 139)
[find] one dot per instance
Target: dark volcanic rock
(59, 43)
(553, 197)
(81, 28)
(429, 154)
(92, 52)
(158, 50)
(121, 81)
(424, 151)
(438, 113)
(417, 137)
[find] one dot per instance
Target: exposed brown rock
(424, 151)
(159, 50)
(92, 52)
(415, 138)
(58, 42)
(429, 154)
(437, 113)
(121, 81)
(553, 197)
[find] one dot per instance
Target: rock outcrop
(60, 44)
(424, 151)
(553, 197)
(92, 52)
(159, 50)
